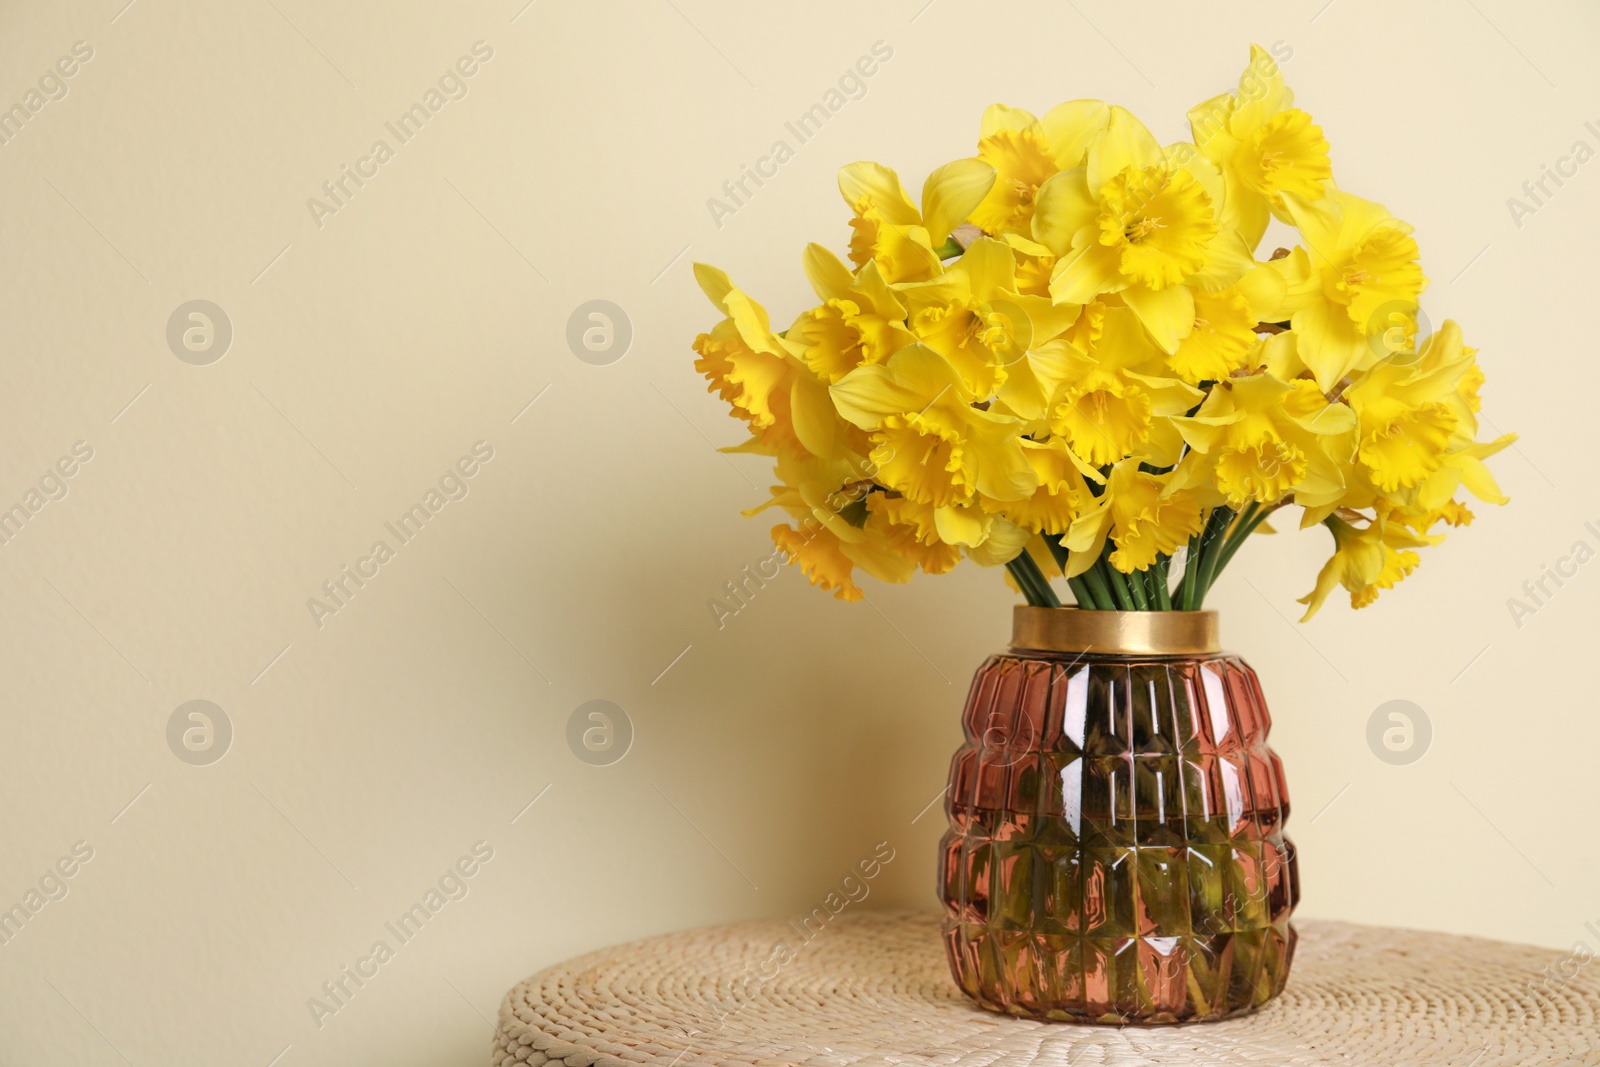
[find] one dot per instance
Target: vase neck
(1158, 633)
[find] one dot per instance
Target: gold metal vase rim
(1151, 633)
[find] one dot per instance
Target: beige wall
(428, 311)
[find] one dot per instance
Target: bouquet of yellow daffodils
(1069, 360)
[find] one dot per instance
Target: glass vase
(1116, 850)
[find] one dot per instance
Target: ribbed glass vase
(1116, 850)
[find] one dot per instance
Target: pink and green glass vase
(1116, 850)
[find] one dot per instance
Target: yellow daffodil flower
(1264, 145)
(1142, 222)
(1219, 341)
(1142, 516)
(1059, 348)
(1404, 411)
(828, 560)
(823, 491)
(889, 230)
(1106, 410)
(749, 366)
(1259, 439)
(971, 317)
(989, 540)
(859, 321)
(909, 529)
(830, 499)
(1002, 542)
(1223, 334)
(821, 558)
(1025, 151)
(1063, 490)
(930, 443)
(1357, 269)
(1464, 467)
(1365, 560)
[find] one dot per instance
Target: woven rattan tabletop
(872, 988)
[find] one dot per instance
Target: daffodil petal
(1125, 143)
(1005, 543)
(950, 194)
(714, 283)
(1063, 207)
(1328, 343)
(1072, 127)
(961, 525)
(1228, 259)
(815, 423)
(1168, 314)
(879, 187)
(990, 268)
(914, 380)
(999, 117)
(1085, 274)
(826, 272)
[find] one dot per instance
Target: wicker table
(873, 989)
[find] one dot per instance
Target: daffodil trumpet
(1064, 357)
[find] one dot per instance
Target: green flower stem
(1041, 597)
(1020, 576)
(1137, 590)
(1096, 581)
(1194, 567)
(1058, 551)
(1243, 535)
(1113, 580)
(1211, 551)
(1234, 535)
(1050, 598)
(1191, 573)
(1252, 517)
(1163, 593)
(1035, 586)
(1246, 517)
(1086, 595)
(950, 249)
